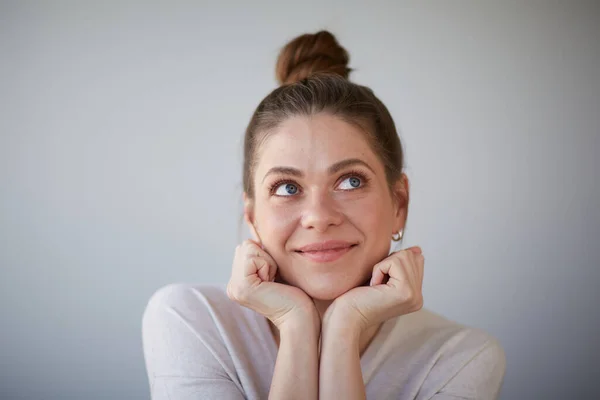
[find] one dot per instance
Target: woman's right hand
(252, 285)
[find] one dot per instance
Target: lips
(326, 251)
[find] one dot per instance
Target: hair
(312, 70)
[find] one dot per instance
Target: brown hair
(313, 72)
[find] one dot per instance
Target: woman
(316, 306)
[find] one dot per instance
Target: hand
(401, 294)
(253, 285)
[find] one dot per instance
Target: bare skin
(317, 180)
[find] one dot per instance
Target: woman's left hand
(366, 306)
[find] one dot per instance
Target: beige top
(198, 344)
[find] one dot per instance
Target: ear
(400, 196)
(249, 217)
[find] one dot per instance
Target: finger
(411, 266)
(382, 268)
(256, 266)
(421, 267)
(257, 243)
(251, 247)
(399, 275)
(388, 266)
(236, 266)
(263, 270)
(266, 270)
(415, 260)
(408, 256)
(254, 248)
(236, 252)
(272, 273)
(377, 276)
(402, 270)
(410, 275)
(415, 249)
(380, 271)
(272, 264)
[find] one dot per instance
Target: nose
(320, 212)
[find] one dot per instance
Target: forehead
(313, 144)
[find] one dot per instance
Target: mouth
(325, 252)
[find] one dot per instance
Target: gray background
(120, 171)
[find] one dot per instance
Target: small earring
(398, 236)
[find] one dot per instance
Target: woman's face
(318, 184)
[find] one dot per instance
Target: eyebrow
(338, 166)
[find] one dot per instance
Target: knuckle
(389, 263)
(377, 266)
(252, 261)
(398, 263)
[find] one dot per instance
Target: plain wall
(121, 127)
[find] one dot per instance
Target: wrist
(303, 322)
(342, 321)
(339, 335)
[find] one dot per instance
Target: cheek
(276, 224)
(371, 215)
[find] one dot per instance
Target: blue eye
(286, 189)
(352, 183)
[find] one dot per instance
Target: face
(322, 206)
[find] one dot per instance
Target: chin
(326, 289)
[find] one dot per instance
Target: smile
(326, 251)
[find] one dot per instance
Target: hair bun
(309, 54)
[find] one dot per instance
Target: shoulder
(455, 341)
(465, 360)
(196, 304)
(185, 325)
(433, 326)
(183, 315)
(196, 339)
(181, 295)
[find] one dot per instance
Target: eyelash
(350, 174)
